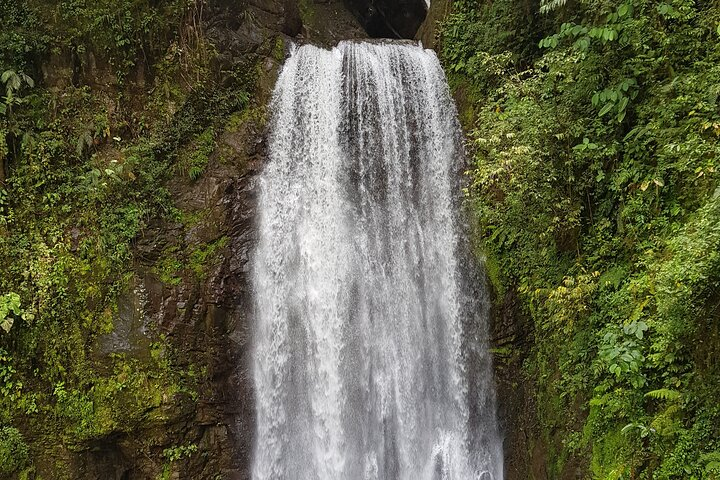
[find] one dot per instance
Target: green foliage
(169, 267)
(121, 32)
(14, 454)
(13, 82)
(173, 454)
(194, 160)
(594, 184)
(83, 176)
(205, 256)
(9, 310)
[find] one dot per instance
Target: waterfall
(371, 357)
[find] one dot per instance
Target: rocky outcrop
(511, 338)
(209, 321)
(389, 18)
(427, 31)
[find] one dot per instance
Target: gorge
(359, 239)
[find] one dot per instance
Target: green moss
(256, 114)
(169, 266)
(191, 219)
(205, 257)
(307, 12)
(278, 52)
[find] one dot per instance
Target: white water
(371, 356)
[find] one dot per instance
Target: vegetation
(594, 131)
(86, 151)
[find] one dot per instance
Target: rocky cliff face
(210, 321)
(389, 18)
(206, 317)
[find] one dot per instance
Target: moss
(190, 219)
(255, 114)
(169, 266)
(307, 12)
(278, 52)
(205, 257)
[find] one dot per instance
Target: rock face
(389, 18)
(207, 318)
(210, 321)
(438, 10)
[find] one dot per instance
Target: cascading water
(371, 356)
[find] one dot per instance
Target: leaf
(623, 10)
(7, 323)
(623, 103)
(28, 79)
(606, 109)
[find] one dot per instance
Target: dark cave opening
(389, 18)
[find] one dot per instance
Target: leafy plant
(595, 149)
(10, 311)
(14, 453)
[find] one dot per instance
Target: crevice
(389, 18)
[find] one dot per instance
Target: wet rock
(130, 333)
(437, 12)
(389, 18)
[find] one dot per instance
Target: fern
(547, 6)
(664, 394)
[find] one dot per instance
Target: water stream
(371, 357)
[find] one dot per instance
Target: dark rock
(511, 335)
(389, 18)
(437, 12)
(130, 333)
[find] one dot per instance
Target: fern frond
(547, 6)
(664, 394)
